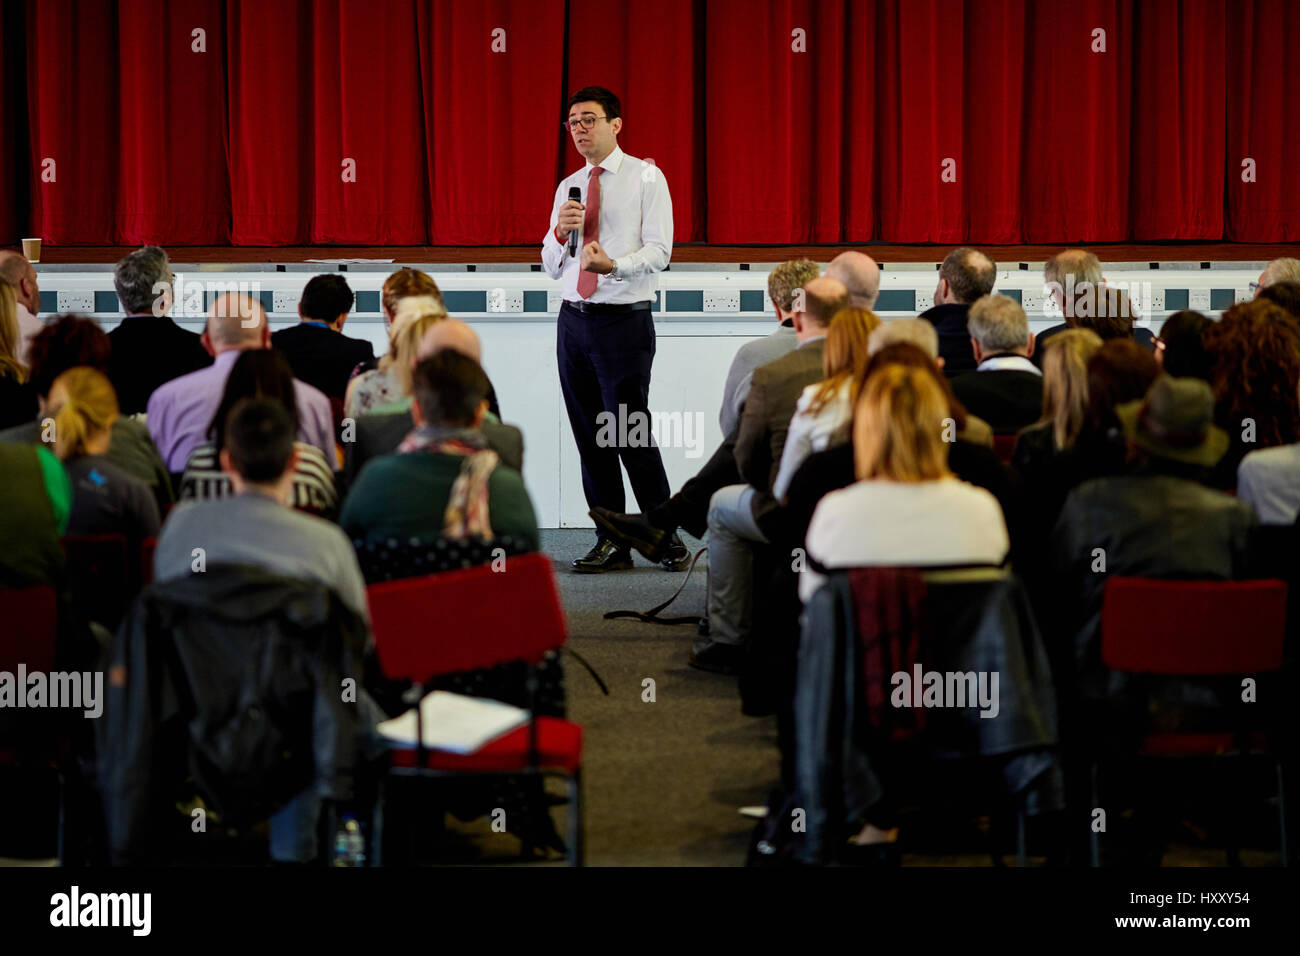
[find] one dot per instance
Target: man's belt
(605, 308)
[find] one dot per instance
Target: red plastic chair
(100, 576)
(1196, 629)
(1004, 446)
(455, 621)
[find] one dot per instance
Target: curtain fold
(408, 122)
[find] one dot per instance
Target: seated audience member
(399, 285)
(965, 276)
(907, 508)
(380, 434)
(105, 499)
(1256, 349)
(259, 373)
(1006, 389)
(318, 351)
(783, 283)
(737, 512)
(443, 481)
(1065, 400)
(255, 526)
(73, 342)
(824, 412)
(1068, 276)
(1110, 312)
(1284, 294)
(371, 392)
(33, 515)
(859, 275)
(181, 410)
(19, 274)
(1180, 346)
(1279, 270)
(17, 397)
(149, 348)
(1157, 521)
(1269, 481)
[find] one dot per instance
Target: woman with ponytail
(105, 499)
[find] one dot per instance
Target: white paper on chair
(454, 722)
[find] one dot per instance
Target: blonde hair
(1065, 382)
(10, 336)
(846, 355)
(898, 427)
(89, 409)
(787, 279)
(415, 315)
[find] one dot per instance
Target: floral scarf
(467, 513)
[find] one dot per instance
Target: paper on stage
(455, 723)
(346, 261)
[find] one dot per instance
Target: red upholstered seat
(1197, 745)
(559, 747)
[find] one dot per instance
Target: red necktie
(590, 229)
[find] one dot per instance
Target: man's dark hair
(68, 342)
(326, 297)
(1284, 294)
(257, 373)
(822, 310)
(137, 278)
(259, 438)
(596, 94)
(449, 387)
(1186, 356)
(969, 273)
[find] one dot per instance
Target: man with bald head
(1279, 270)
(966, 275)
(860, 275)
(20, 275)
(180, 411)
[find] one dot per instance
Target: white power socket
(1243, 294)
(505, 300)
(924, 300)
(80, 302)
(1198, 300)
(284, 303)
(720, 300)
(554, 297)
(1031, 300)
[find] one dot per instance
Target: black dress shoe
(719, 659)
(633, 531)
(677, 557)
(605, 556)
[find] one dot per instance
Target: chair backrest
(31, 628)
(1004, 446)
(1185, 628)
(99, 575)
(464, 620)
(147, 548)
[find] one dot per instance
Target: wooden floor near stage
(886, 254)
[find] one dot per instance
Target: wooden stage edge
(691, 252)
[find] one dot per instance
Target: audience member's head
(1173, 425)
(236, 322)
(327, 298)
(66, 343)
(451, 390)
(785, 281)
(20, 275)
(817, 304)
(899, 426)
(1118, 372)
(257, 373)
(1065, 382)
(403, 283)
(1069, 276)
(844, 360)
(1279, 270)
(1180, 347)
(415, 316)
(860, 275)
(1256, 349)
(914, 356)
(143, 280)
(999, 326)
(85, 407)
(966, 275)
(1284, 294)
(257, 447)
(916, 332)
(1107, 310)
(451, 334)
(10, 337)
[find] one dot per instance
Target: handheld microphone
(575, 194)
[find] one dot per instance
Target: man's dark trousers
(605, 354)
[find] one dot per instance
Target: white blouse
(811, 433)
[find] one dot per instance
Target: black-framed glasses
(587, 121)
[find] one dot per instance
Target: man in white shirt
(606, 337)
(17, 272)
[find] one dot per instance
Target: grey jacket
(780, 341)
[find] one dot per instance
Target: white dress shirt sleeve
(554, 252)
(656, 228)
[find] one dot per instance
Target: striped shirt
(313, 481)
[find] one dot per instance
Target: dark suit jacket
(765, 421)
(381, 434)
(954, 340)
(149, 351)
(1008, 399)
(321, 357)
(1142, 336)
